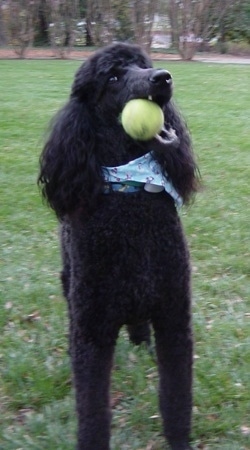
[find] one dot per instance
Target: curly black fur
(125, 260)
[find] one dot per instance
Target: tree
(100, 21)
(62, 18)
(192, 21)
(21, 22)
(123, 26)
(110, 20)
(3, 37)
(42, 25)
(236, 24)
(143, 19)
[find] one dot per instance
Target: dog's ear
(178, 161)
(84, 85)
(70, 176)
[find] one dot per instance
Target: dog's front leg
(92, 365)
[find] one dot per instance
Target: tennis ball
(142, 119)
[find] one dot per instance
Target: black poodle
(125, 259)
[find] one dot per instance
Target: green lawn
(36, 404)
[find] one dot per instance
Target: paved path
(222, 59)
(37, 53)
(206, 58)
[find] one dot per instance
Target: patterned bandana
(145, 170)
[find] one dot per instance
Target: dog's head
(119, 73)
(87, 134)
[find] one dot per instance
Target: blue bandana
(145, 170)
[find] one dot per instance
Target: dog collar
(145, 170)
(126, 188)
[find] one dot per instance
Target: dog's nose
(160, 77)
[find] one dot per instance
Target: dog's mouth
(167, 135)
(160, 100)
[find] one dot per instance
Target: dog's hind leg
(174, 352)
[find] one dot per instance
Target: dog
(125, 257)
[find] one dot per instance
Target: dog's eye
(113, 79)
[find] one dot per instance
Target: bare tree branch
(143, 19)
(62, 17)
(21, 23)
(193, 21)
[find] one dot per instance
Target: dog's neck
(121, 151)
(146, 171)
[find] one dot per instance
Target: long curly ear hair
(179, 164)
(70, 175)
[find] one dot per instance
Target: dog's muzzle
(160, 78)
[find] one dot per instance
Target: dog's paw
(181, 447)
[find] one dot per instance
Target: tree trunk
(62, 16)
(143, 19)
(22, 16)
(187, 50)
(3, 38)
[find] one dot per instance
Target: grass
(37, 406)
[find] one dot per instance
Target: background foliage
(191, 24)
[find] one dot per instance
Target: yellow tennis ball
(142, 119)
